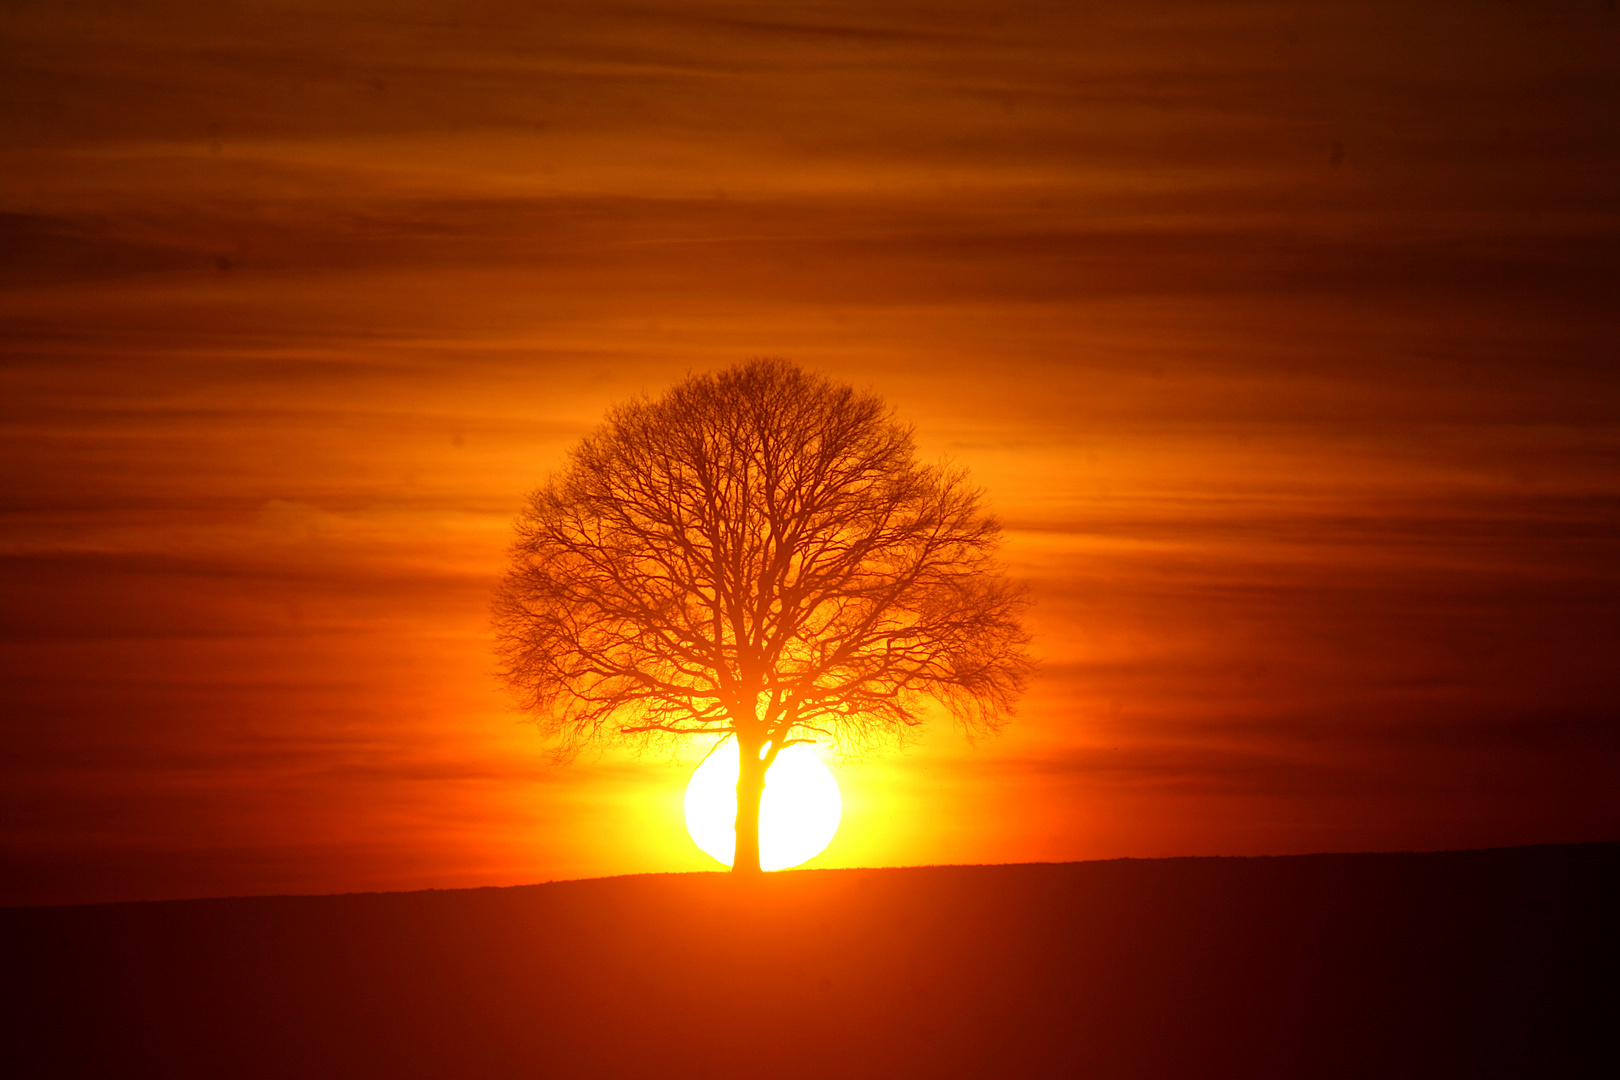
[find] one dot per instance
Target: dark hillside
(1463, 964)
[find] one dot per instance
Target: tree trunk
(750, 785)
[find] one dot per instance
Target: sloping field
(1459, 964)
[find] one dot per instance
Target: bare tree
(756, 554)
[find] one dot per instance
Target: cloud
(1281, 340)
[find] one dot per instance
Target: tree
(757, 554)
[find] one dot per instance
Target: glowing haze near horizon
(1281, 337)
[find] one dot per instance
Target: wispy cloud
(1281, 340)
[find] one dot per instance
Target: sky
(1281, 337)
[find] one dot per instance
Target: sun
(798, 814)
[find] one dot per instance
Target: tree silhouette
(756, 554)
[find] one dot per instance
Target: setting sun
(798, 813)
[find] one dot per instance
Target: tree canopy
(757, 553)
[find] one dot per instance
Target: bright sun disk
(798, 814)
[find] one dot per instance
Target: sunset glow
(1281, 340)
(798, 814)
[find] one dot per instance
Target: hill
(1457, 964)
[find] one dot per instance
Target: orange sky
(1282, 337)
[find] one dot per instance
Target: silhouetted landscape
(1465, 964)
(439, 439)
